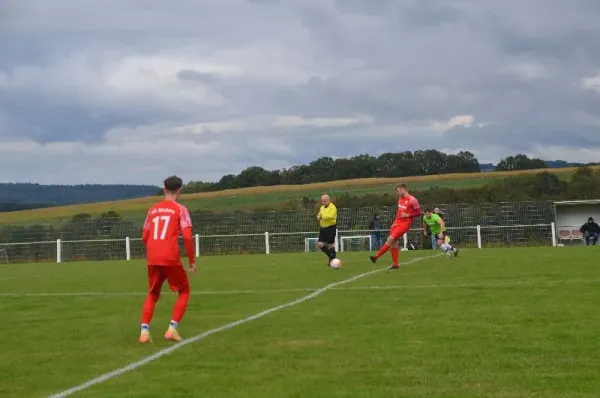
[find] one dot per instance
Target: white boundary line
(198, 337)
(308, 289)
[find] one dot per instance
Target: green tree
(462, 162)
(322, 169)
(402, 164)
(432, 161)
(585, 184)
(257, 176)
(520, 162)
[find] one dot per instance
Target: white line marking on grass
(198, 337)
(9, 278)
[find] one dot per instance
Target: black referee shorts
(327, 234)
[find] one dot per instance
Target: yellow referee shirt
(328, 215)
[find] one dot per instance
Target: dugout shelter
(570, 215)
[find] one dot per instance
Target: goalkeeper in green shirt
(438, 229)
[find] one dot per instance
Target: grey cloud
(78, 69)
(192, 75)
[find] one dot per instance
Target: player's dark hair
(173, 184)
(402, 186)
(427, 210)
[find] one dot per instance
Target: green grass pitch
(490, 323)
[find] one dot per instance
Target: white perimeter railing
(478, 236)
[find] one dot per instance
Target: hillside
(25, 196)
(261, 197)
(15, 196)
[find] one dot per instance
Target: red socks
(394, 251)
(395, 256)
(382, 251)
(180, 305)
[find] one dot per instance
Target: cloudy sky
(130, 91)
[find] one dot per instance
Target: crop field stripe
(203, 335)
(499, 285)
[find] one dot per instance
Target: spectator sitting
(590, 231)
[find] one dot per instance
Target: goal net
(3, 256)
(356, 243)
(310, 244)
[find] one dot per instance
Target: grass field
(257, 197)
(490, 323)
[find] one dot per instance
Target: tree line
(400, 164)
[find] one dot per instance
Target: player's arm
(146, 229)
(415, 208)
(320, 213)
(424, 227)
(185, 222)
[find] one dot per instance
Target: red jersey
(165, 222)
(410, 205)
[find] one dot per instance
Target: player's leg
(391, 244)
(395, 252)
(445, 245)
(383, 249)
(179, 282)
(595, 236)
(156, 277)
(395, 247)
(434, 242)
(322, 243)
(331, 235)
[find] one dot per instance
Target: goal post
(310, 244)
(3, 256)
(362, 242)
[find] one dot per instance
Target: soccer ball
(335, 263)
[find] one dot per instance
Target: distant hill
(557, 164)
(551, 164)
(21, 196)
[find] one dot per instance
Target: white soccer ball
(335, 263)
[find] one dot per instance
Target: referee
(327, 219)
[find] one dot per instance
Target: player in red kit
(408, 208)
(165, 222)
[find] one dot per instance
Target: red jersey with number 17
(410, 205)
(165, 222)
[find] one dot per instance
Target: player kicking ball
(438, 228)
(408, 208)
(165, 222)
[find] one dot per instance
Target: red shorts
(175, 275)
(398, 230)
